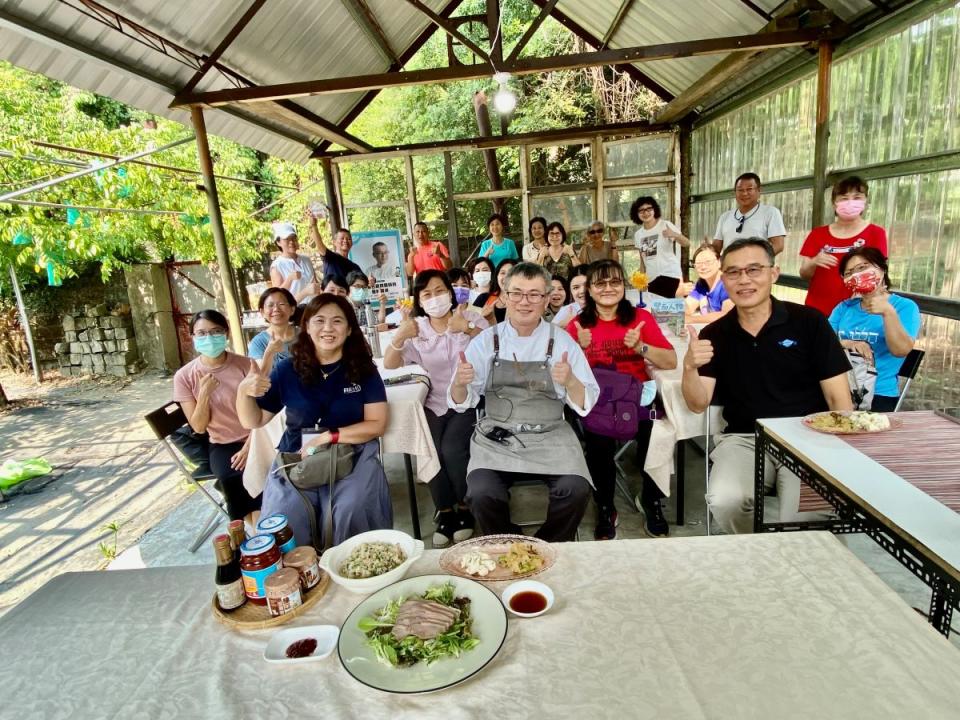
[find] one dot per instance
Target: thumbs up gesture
(699, 352)
(632, 338)
(458, 322)
(254, 384)
(561, 372)
(584, 336)
(465, 373)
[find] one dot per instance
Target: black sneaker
(463, 525)
(446, 527)
(656, 523)
(607, 521)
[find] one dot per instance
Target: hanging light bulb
(504, 100)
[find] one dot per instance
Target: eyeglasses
(612, 283)
(858, 269)
(645, 209)
(595, 231)
(751, 271)
(533, 296)
(210, 333)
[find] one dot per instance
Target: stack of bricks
(98, 342)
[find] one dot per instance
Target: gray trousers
(488, 494)
(361, 500)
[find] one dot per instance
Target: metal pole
(822, 137)
(219, 236)
(93, 208)
(25, 322)
(90, 170)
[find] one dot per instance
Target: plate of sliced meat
(423, 634)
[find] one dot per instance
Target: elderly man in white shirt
(527, 370)
(751, 218)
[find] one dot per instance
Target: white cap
(283, 229)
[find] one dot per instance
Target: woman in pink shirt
(206, 388)
(434, 338)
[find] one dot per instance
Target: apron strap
(546, 360)
(496, 343)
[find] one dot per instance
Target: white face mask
(437, 306)
(482, 278)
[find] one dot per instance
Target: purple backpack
(618, 411)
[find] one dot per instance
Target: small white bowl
(331, 560)
(325, 635)
(527, 586)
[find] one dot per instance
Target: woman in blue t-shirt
(330, 389)
(497, 247)
(708, 301)
(874, 323)
(277, 306)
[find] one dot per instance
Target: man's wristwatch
(642, 348)
(471, 325)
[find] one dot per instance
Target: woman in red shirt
(826, 245)
(614, 333)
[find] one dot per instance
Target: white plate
(489, 625)
(325, 635)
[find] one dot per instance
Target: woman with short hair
(493, 305)
(557, 256)
(538, 239)
(558, 297)
(497, 247)
(659, 242)
(205, 388)
(277, 306)
(708, 301)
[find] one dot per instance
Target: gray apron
(520, 399)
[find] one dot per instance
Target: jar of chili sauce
(259, 559)
(278, 526)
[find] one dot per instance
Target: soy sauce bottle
(230, 593)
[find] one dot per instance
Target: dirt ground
(108, 470)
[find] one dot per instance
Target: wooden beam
(822, 131)
(757, 9)
(529, 66)
(531, 29)
(480, 143)
(632, 70)
(450, 30)
(227, 41)
(364, 17)
(617, 21)
(364, 102)
(493, 32)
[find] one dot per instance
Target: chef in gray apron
(527, 370)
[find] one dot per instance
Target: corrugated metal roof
(293, 40)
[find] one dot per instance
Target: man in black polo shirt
(335, 261)
(768, 359)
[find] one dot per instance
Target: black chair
(164, 422)
(908, 371)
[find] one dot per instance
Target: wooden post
(686, 176)
(332, 201)
(822, 137)
(238, 341)
(413, 214)
(482, 113)
(25, 322)
(453, 237)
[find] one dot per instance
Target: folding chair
(714, 426)
(164, 422)
(908, 371)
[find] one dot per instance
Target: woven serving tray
(251, 616)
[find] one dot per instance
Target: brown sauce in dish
(301, 648)
(528, 602)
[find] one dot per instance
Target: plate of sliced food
(499, 558)
(423, 634)
(856, 422)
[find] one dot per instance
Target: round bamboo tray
(251, 616)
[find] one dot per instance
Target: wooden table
(919, 531)
(786, 625)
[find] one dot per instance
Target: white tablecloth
(407, 432)
(784, 625)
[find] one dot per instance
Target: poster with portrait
(380, 254)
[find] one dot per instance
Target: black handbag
(329, 464)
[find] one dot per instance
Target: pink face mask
(850, 209)
(862, 283)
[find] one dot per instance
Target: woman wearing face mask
(538, 239)
(460, 281)
(708, 301)
(578, 293)
(277, 306)
(332, 393)
(826, 246)
(360, 296)
(558, 297)
(558, 257)
(434, 338)
(205, 388)
(482, 273)
(492, 305)
(877, 325)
